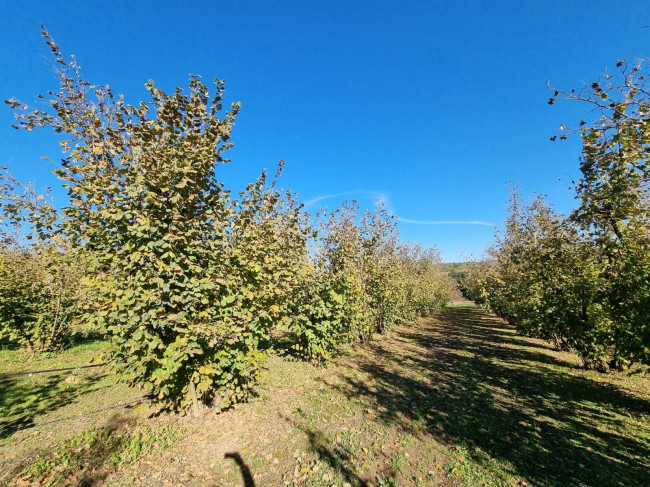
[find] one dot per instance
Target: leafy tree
(584, 282)
(550, 288)
(342, 241)
(614, 194)
(383, 277)
(321, 318)
(188, 281)
(544, 277)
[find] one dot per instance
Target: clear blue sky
(432, 106)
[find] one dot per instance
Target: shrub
(40, 294)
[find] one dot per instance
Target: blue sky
(430, 106)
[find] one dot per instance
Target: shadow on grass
(337, 456)
(24, 399)
(281, 341)
(466, 379)
(7, 344)
(84, 460)
(74, 340)
(84, 338)
(243, 467)
(334, 455)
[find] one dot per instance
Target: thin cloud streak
(378, 195)
(383, 198)
(444, 222)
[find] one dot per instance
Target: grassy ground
(40, 412)
(459, 399)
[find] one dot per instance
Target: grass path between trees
(458, 399)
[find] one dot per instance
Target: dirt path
(459, 399)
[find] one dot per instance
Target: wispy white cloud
(445, 222)
(383, 198)
(377, 196)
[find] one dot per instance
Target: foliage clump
(362, 280)
(584, 281)
(41, 291)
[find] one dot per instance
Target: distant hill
(454, 268)
(457, 271)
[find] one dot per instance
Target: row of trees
(186, 279)
(583, 281)
(362, 280)
(41, 291)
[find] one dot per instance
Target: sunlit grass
(459, 399)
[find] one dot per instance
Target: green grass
(458, 399)
(461, 399)
(90, 456)
(83, 352)
(38, 412)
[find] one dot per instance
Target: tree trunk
(196, 409)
